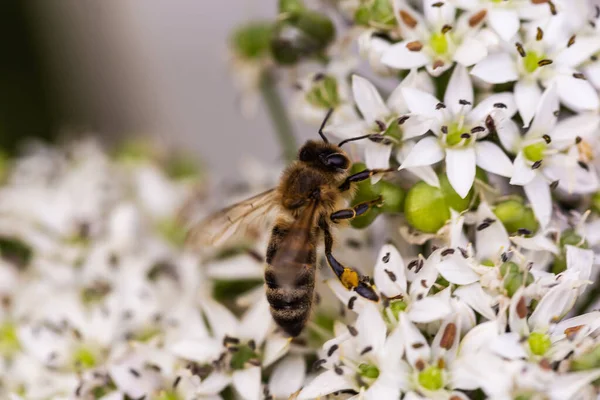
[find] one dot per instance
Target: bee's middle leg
(351, 279)
(356, 211)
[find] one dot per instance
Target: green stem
(279, 117)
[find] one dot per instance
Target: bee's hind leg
(351, 279)
(356, 211)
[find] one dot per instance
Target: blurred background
(114, 68)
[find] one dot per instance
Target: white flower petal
(545, 117)
(460, 168)
(522, 172)
(347, 130)
(508, 345)
(538, 193)
(221, 320)
(579, 52)
(400, 57)
(566, 386)
(416, 125)
(577, 94)
(415, 344)
(479, 337)
(368, 99)
(455, 269)
(377, 155)
(527, 97)
(474, 296)
(287, 377)
(504, 21)
(371, 328)
(427, 151)
(553, 306)
(487, 106)
(200, 351)
(427, 174)
(508, 133)
(256, 322)
(324, 384)
(592, 73)
(492, 240)
(517, 313)
(566, 130)
(496, 68)
(459, 89)
(275, 347)
(247, 383)
(491, 158)
(470, 51)
(420, 102)
(591, 321)
(429, 309)
(389, 272)
(212, 384)
(580, 260)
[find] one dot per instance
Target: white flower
(540, 145)
(435, 40)
(384, 122)
(362, 359)
(458, 126)
(548, 56)
(503, 17)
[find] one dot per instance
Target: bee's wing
(234, 221)
(298, 246)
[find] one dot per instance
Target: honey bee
(310, 198)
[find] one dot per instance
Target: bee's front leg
(362, 176)
(351, 279)
(356, 211)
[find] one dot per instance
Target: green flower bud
(382, 13)
(539, 343)
(324, 93)
(586, 361)
(252, 41)
(515, 215)
(182, 168)
(509, 267)
(453, 200)
(596, 202)
(368, 371)
(377, 13)
(362, 15)
(571, 238)
(393, 197)
(134, 151)
(514, 280)
(291, 6)
(425, 208)
(431, 378)
(301, 35)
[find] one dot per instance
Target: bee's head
(325, 156)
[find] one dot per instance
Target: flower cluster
(490, 111)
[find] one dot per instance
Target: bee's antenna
(323, 125)
(343, 142)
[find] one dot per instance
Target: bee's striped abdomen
(290, 277)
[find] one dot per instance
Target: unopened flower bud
(588, 360)
(514, 280)
(425, 208)
(291, 6)
(515, 215)
(252, 41)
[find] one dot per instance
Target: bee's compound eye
(337, 160)
(305, 155)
